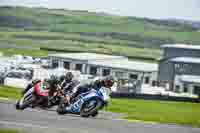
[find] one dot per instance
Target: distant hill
(149, 32)
(194, 24)
(92, 31)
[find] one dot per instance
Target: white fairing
(29, 92)
(106, 93)
(92, 94)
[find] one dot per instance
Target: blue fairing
(76, 107)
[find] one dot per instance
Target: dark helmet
(53, 81)
(69, 76)
(108, 81)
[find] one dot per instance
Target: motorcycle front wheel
(27, 101)
(91, 107)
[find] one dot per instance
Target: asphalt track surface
(43, 121)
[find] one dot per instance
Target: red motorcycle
(38, 96)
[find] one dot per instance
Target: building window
(197, 90)
(79, 67)
(177, 88)
(54, 63)
(106, 72)
(146, 80)
(66, 65)
(133, 76)
(177, 66)
(119, 75)
(93, 70)
(185, 88)
(182, 68)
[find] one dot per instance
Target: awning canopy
(190, 78)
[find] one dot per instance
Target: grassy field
(89, 32)
(158, 111)
(23, 42)
(145, 110)
(10, 92)
(6, 130)
(25, 52)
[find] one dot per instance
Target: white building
(103, 65)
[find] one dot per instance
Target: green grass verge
(35, 39)
(25, 52)
(158, 111)
(10, 92)
(6, 130)
(144, 110)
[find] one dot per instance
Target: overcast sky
(181, 9)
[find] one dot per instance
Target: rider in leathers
(97, 84)
(65, 83)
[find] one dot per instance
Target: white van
(17, 78)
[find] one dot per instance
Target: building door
(106, 72)
(146, 80)
(93, 70)
(185, 88)
(55, 63)
(66, 65)
(79, 67)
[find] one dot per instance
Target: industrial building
(179, 69)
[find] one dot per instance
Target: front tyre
(91, 107)
(25, 103)
(17, 106)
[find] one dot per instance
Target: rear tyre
(93, 110)
(61, 111)
(95, 114)
(61, 108)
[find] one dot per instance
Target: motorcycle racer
(106, 82)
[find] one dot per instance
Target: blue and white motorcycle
(87, 104)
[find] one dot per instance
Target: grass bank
(19, 42)
(158, 111)
(25, 52)
(6, 130)
(10, 92)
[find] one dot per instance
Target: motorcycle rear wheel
(61, 108)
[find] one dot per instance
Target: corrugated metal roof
(190, 78)
(183, 46)
(186, 60)
(127, 65)
(86, 56)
